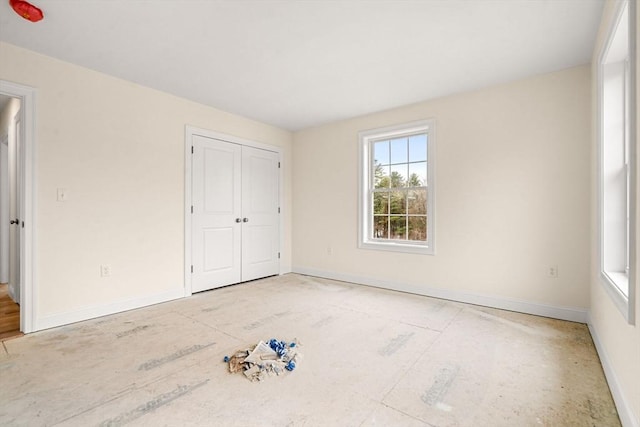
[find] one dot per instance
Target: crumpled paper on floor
(270, 358)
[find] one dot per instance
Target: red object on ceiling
(26, 10)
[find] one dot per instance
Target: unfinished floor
(371, 357)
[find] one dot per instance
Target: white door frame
(189, 132)
(4, 208)
(17, 267)
(28, 288)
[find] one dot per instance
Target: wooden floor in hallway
(9, 315)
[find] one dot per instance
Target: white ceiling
(297, 64)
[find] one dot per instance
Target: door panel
(219, 185)
(259, 253)
(216, 236)
(216, 244)
(260, 196)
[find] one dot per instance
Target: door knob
(16, 221)
(238, 220)
(245, 219)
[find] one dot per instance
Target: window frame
(365, 215)
(612, 280)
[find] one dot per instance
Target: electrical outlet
(105, 270)
(552, 271)
(329, 250)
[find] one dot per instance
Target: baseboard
(60, 319)
(572, 314)
(622, 404)
(285, 268)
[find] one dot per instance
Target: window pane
(418, 148)
(398, 227)
(399, 150)
(417, 202)
(399, 175)
(398, 202)
(380, 203)
(381, 153)
(418, 228)
(380, 227)
(381, 177)
(417, 174)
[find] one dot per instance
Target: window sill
(398, 247)
(620, 280)
(616, 284)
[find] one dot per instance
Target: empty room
(319, 213)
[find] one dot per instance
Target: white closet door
(260, 227)
(216, 230)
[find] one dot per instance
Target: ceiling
(297, 64)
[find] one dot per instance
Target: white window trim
(613, 281)
(364, 170)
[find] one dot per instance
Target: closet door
(216, 219)
(260, 226)
(235, 233)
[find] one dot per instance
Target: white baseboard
(622, 403)
(572, 314)
(285, 268)
(60, 319)
(66, 318)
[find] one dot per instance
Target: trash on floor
(265, 359)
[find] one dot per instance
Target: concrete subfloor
(371, 358)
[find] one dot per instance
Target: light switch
(63, 194)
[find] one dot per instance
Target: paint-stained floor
(371, 357)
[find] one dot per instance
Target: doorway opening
(17, 117)
(10, 143)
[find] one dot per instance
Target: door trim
(190, 131)
(5, 203)
(28, 284)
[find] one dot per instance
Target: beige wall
(118, 148)
(619, 342)
(512, 182)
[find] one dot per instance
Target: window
(617, 149)
(397, 188)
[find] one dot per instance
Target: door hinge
(278, 255)
(192, 149)
(278, 165)
(278, 210)
(192, 268)
(191, 208)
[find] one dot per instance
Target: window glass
(418, 148)
(399, 150)
(417, 174)
(398, 175)
(381, 152)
